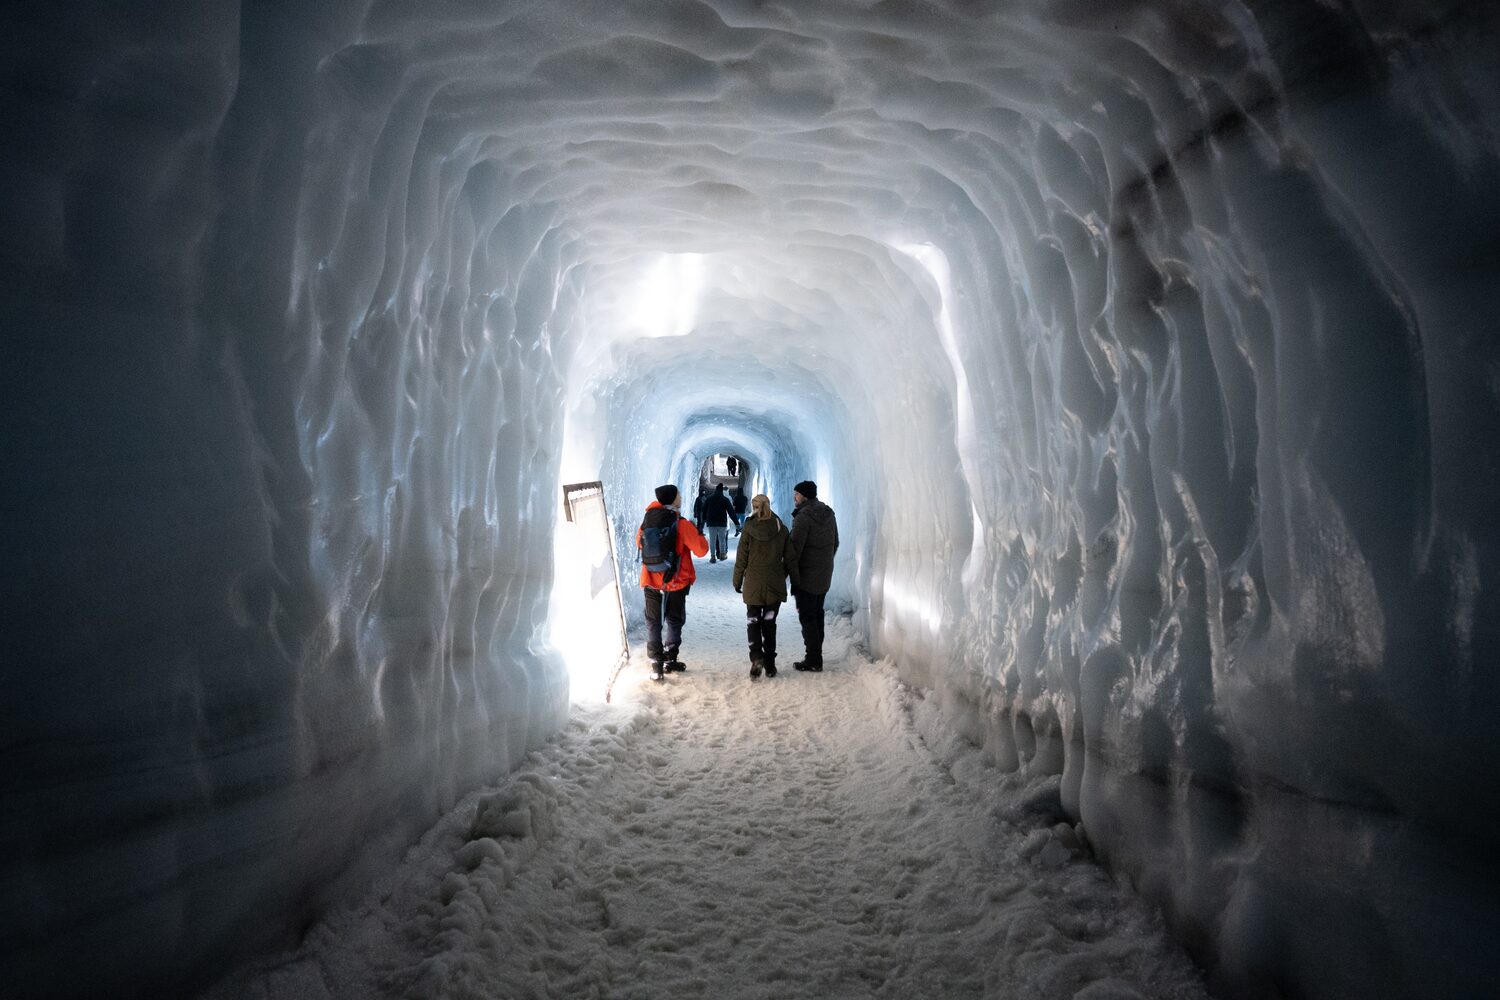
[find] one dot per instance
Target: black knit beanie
(666, 494)
(807, 488)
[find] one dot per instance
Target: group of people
(769, 556)
(716, 511)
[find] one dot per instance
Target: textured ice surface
(810, 836)
(1145, 349)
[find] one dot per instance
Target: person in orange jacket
(668, 587)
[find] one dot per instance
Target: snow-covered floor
(812, 835)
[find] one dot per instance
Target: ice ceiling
(1145, 349)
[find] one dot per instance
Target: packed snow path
(811, 835)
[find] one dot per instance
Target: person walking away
(760, 577)
(739, 509)
(666, 582)
(717, 513)
(813, 541)
(698, 507)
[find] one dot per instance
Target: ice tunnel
(1145, 348)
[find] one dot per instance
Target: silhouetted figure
(738, 494)
(733, 464)
(718, 511)
(814, 540)
(698, 507)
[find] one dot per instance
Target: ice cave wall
(289, 410)
(1145, 350)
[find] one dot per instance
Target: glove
(737, 589)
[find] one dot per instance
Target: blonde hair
(760, 507)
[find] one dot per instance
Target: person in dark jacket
(698, 508)
(667, 599)
(718, 511)
(760, 577)
(738, 493)
(809, 558)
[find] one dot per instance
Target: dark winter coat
(809, 552)
(760, 564)
(717, 511)
(741, 502)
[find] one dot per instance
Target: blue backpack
(659, 549)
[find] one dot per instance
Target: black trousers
(662, 644)
(760, 629)
(810, 614)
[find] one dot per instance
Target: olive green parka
(760, 569)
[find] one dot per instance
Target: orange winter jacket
(690, 542)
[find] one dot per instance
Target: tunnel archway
(1140, 346)
(729, 469)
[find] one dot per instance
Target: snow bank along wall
(1146, 351)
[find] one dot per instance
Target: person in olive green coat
(760, 573)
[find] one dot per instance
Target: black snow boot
(676, 666)
(770, 668)
(657, 671)
(754, 669)
(816, 668)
